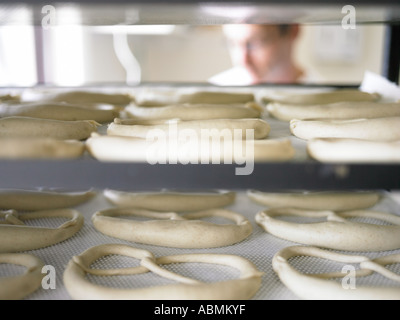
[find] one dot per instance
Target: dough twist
(18, 287)
(173, 230)
(338, 111)
(84, 97)
(79, 287)
(336, 233)
(318, 287)
(40, 148)
(380, 129)
(170, 201)
(161, 98)
(16, 236)
(214, 127)
(25, 127)
(131, 149)
(9, 98)
(32, 200)
(337, 150)
(196, 111)
(323, 97)
(325, 200)
(58, 111)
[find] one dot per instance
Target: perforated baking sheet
(259, 248)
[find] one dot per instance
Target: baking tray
(259, 248)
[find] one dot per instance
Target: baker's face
(259, 49)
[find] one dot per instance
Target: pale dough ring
(31, 200)
(171, 201)
(336, 150)
(40, 148)
(259, 128)
(317, 287)
(18, 287)
(335, 201)
(160, 98)
(131, 149)
(337, 233)
(22, 127)
(77, 97)
(324, 97)
(338, 111)
(58, 111)
(15, 236)
(241, 288)
(171, 229)
(147, 262)
(380, 129)
(196, 111)
(85, 259)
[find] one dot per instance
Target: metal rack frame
(89, 173)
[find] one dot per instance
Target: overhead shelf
(302, 172)
(89, 173)
(124, 12)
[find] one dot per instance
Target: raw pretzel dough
(169, 201)
(196, 111)
(18, 287)
(144, 122)
(30, 200)
(22, 127)
(189, 289)
(9, 98)
(338, 111)
(131, 149)
(338, 232)
(336, 150)
(173, 230)
(78, 97)
(160, 98)
(214, 127)
(324, 97)
(58, 111)
(380, 129)
(16, 236)
(325, 200)
(319, 287)
(40, 148)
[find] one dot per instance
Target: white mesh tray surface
(259, 248)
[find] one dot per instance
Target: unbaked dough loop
(35, 200)
(173, 230)
(15, 236)
(336, 233)
(18, 287)
(317, 200)
(319, 287)
(79, 287)
(169, 200)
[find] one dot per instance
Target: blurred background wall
(84, 55)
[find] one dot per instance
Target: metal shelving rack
(84, 173)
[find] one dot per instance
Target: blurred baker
(261, 54)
